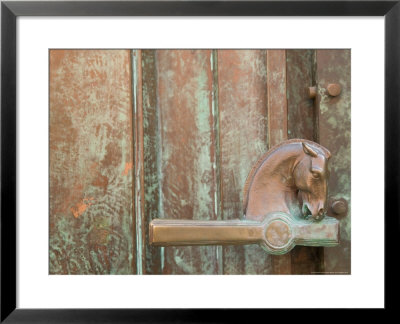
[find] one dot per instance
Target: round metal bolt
(334, 89)
(312, 92)
(339, 207)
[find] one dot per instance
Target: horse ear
(308, 150)
(328, 155)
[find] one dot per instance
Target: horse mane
(262, 159)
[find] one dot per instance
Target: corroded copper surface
(187, 145)
(334, 66)
(200, 120)
(302, 123)
(243, 129)
(278, 118)
(91, 162)
(277, 102)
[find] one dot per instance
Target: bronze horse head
(291, 177)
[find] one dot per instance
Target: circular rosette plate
(278, 233)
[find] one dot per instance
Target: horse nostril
(321, 212)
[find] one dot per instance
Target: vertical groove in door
(138, 178)
(153, 256)
(319, 252)
(217, 152)
(315, 101)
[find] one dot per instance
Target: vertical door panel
(302, 124)
(334, 66)
(277, 125)
(242, 85)
(187, 148)
(91, 158)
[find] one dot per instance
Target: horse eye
(315, 174)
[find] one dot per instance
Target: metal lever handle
(165, 232)
(277, 234)
(284, 197)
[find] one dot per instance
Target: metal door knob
(284, 205)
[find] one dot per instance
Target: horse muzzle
(309, 211)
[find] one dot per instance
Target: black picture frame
(10, 10)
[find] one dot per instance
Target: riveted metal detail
(334, 89)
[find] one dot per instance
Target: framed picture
(141, 142)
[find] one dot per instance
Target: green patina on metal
(90, 154)
(334, 66)
(242, 82)
(187, 144)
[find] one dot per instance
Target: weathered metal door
(144, 134)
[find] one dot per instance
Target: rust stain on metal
(128, 167)
(81, 206)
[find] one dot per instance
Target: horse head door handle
(284, 204)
